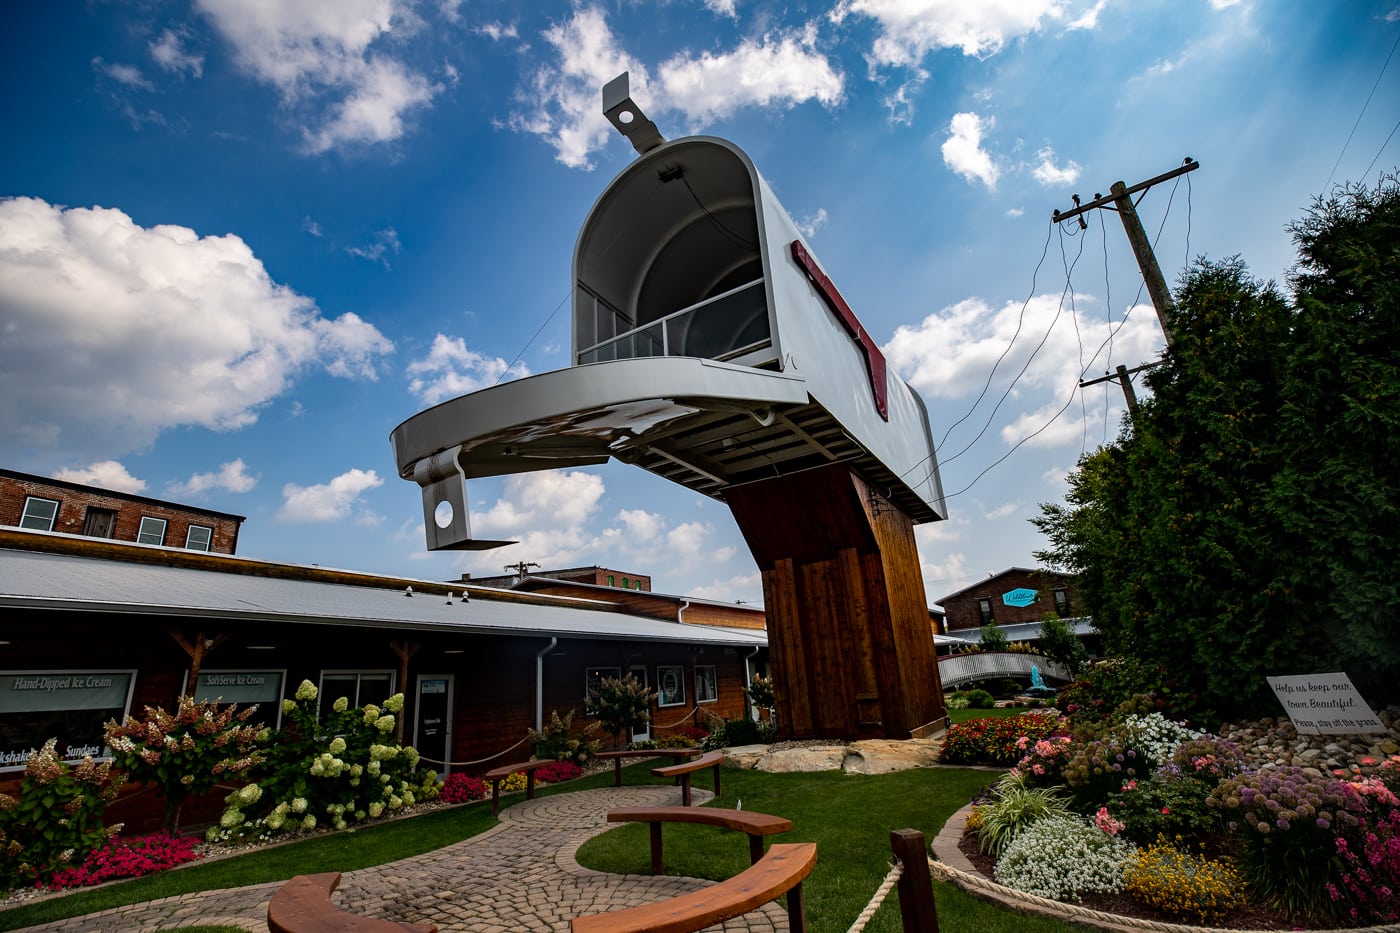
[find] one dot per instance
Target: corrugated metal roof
(58, 581)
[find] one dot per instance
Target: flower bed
(1141, 815)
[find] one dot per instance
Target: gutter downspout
(539, 683)
(680, 613)
(748, 679)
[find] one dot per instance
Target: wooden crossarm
(303, 905)
(781, 871)
(755, 825)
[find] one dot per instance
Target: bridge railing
(959, 669)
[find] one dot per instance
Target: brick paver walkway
(520, 875)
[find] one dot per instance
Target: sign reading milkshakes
(1325, 704)
(69, 706)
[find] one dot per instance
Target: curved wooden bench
(497, 775)
(782, 870)
(303, 905)
(755, 825)
(677, 755)
(683, 771)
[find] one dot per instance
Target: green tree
(993, 638)
(1060, 643)
(1244, 522)
(622, 705)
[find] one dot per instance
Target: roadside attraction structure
(710, 348)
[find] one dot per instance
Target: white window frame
(701, 681)
(26, 520)
(141, 533)
(357, 700)
(208, 541)
(677, 697)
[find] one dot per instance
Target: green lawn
(849, 817)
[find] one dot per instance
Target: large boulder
(881, 756)
(745, 757)
(805, 758)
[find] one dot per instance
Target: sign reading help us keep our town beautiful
(1020, 597)
(1325, 704)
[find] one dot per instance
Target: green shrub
(1063, 857)
(1167, 804)
(1102, 766)
(620, 704)
(56, 820)
(559, 742)
(1183, 885)
(1013, 807)
(955, 700)
(998, 741)
(980, 699)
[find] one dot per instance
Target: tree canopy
(1246, 522)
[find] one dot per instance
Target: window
(984, 607)
(1061, 602)
(670, 683)
(198, 537)
(706, 686)
(624, 583)
(593, 678)
(152, 530)
(359, 687)
(39, 514)
(69, 706)
(610, 580)
(99, 523)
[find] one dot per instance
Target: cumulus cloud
(687, 539)
(811, 223)
(128, 75)
(560, 99)
(230, 477)
(108, 474)
(908, 30)
(744, 588)
(496, 31)
(555, 498)
(949, 354)
(642, 526)
(722, 8)
(327, 502)
(169, 53)
(111, 332)
(332, 63)
(450, 369)
(1048, 173)
(963, 152)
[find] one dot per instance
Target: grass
(1001, 712)
(848, 816)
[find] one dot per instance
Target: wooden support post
(196, 649)
(404, 650)
(916, 907)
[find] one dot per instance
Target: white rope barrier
(479, 761)
(877, 898)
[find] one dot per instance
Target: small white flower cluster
(1157, 735)
(1061, 857)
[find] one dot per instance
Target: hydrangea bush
(559, 741)
(57, 818)
(327, 768)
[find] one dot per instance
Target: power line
(532, 339)
(1358, 120)
(1382, 149)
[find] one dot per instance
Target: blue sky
(241, 240)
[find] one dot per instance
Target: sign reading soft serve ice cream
(1325, 704)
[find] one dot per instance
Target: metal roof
(37, 580)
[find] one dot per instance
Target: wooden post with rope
(916, 907)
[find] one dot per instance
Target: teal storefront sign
(1018, 598)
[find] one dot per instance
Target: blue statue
(1036, 681)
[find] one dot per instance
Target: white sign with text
(1325, 704)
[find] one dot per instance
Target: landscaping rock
(881, 756)
(809, 758)
(745, 757)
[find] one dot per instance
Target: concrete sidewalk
(520, 875)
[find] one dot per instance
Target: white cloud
(561, 103)
(128, 75)
(687, 539)
(745, 588)
(385, 243)
(722, 8)
(323, 55)
(558, 499)
(1015, 211)
(312, 227)
(326, 502)
(169, 53)
(231, 477)
(108, 474)
(1048, 173)
(1089, 19)
(900, 101)
(112, 332)
(911, 29)
(450, 369)
(642, 526)
(810, 224)
(497, 31)
(1001, 511)
(963, 152)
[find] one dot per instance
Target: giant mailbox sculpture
(710, 348)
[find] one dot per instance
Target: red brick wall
(73, 503)
(963, 612)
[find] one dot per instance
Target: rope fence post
(916, 905)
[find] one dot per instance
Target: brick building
(42, 504)
(594, 576)
(1012, 597)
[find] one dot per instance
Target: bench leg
(755, 848)
(496, 797)
(685, 790)
(717, 792)
(656, 866)
(529, 785)
(617, 772)
(797, 910)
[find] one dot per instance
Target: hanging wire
(1045, 251)
(1108, 304)
(733, 236)
(532, 339)
(1380, 150)
(1078, 339)
(1358, 120)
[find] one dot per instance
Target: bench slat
(783, 869)
(756, 825)
(303, 905)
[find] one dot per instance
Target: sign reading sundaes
(1325, 704)
(70, 706)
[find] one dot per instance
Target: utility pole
(1121, 198)
(1121, 374)
(522, 568)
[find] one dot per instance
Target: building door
(432, 726)
(99, 523)
(643, 734)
